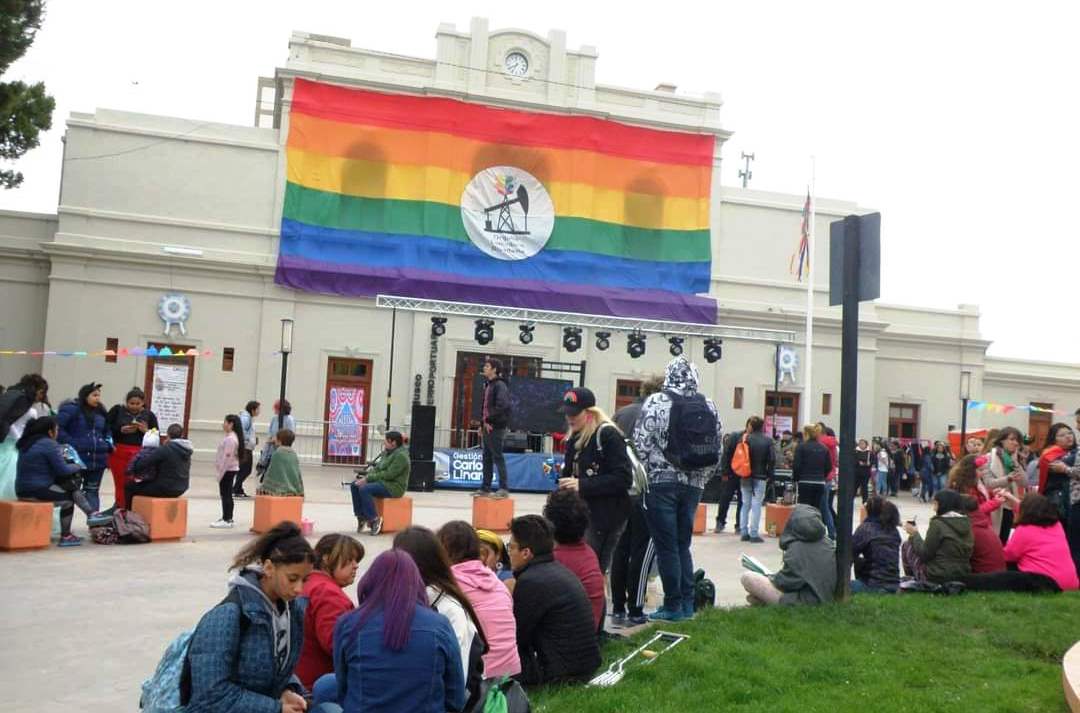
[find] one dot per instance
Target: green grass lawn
(910, 653)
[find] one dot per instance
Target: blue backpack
(692, 441)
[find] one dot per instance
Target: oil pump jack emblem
(507, 213)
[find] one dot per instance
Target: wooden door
(1039, 425)
(781, 412)
(168, 385)
(626, 392)
(904, 421)
(347, 409)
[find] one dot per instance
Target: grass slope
(910, 653)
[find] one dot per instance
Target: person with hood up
(677, 438)
(490, 599)
(875, 547)
(945, 554)
(19, 405)
(243, 651)
(494, 422)
(808, 575)
(163, 472)
(83, 426)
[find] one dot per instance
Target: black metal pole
(963, 429)
(581, 375)
(390, 379)
(284, 377)
(776, 388)
(849, 385)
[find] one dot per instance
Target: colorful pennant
(989, 407)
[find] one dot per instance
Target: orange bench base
(396, 513)
(167, 517)
(272, 509)
(776, 517)
(25, 525)
(492, 514)
(699, 519)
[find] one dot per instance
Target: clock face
(517, 64)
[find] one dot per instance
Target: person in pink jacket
(1038, 543)
(489, 597)
(227, 465)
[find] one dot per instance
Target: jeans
(363, 499)
(929, 486)
(91, 485)
(882, 482)
(939, 481)
(493, 457)
(729, 490)
(324, 690)
(670, 510)
(817, 495)
(753, 492)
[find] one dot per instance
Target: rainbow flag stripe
(442, 199)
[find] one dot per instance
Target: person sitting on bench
(282, 478)
(162, 472)
(387, 477)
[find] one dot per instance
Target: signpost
(854, 276)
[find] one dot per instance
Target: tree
(25, 109)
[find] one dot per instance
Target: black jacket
(605, 476)
(731, 439)
(556, 633)
(13, 404)
(497, 396)
(172, 462)
(876, 550)
(119, 417)
(812, 463)
(762, 456)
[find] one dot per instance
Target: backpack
(640, 476)
(692, 439)
(740, 459)
(131, 528)
(502, 695)
(704, 591)
(168, 690)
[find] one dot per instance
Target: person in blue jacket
(42, 474)
(244, 650)
(83, 427)
(395, 652)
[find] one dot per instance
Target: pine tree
(25, 109)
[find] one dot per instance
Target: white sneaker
(222, 525)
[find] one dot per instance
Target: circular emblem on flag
(507, 213)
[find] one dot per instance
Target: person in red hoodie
(987, 555)
(569, 514)
(337, 558)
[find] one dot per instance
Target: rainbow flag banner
(442, 199)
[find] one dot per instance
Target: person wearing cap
(596, 465)
(495, 420)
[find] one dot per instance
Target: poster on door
(169, 397)
(345, 433)
(783, 423)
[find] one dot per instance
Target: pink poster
(346, 429)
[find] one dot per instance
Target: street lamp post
(286, 349)
(965, 396)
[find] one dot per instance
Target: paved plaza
(83, 627)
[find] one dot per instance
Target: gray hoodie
(248, 579)
(809, 572)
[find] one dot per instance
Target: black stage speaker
(422, 436)
(422, 476)
(515, 442)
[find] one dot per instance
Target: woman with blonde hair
(597, 466)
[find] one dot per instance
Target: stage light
(713, 349)
(635, 344)
(438, 326)
(526, 335)
(571, 340)
(676, 345)
(603, 340)
(484, 332)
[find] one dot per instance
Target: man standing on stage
(496, 417)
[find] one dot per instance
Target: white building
(154, 205)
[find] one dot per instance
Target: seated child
(283, 475)
(138, 469)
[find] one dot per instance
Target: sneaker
(745, 538)
(667, 615)
(618, 619)
(755, 540)
(98, 519)
(69, 541)
(481, 493)
(361, 523)
(376, 526)
(720, 526)
(502, 493)
(222, 525)
(241, 494)
(636, 620)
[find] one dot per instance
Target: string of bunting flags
(164, 352)
(974, 405)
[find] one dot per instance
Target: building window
(227, 356)
(826, 404)
(904, 421)
(737, 401)
(111, 344)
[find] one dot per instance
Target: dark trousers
(91, 484)
(628, 574)
(225, 490)
(494, 458)
(862, 483)
(729, 489)
(604, 540)
(148, 488)
(247, 462)
(894, 482)
(66, 500)
(1006, 524)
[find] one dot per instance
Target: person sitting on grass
(387, 478)
(569, 516)
(162, 472)
(283, 478)
(42, 474)
(556, 632)
(493, 555)
(875, 547)
(945, 554)
(243, 651)
(1038, 543)
(337, 557)
(808, 574)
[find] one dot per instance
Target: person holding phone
(127, 423)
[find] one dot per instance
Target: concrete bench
(396, 513)
(1070, 677)
(776, 517)
(492, 514)
(167, 517)
(272, 509)
(699, 518)
(25, 525)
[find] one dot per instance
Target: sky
(958, 121)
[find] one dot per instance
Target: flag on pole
(803, 251)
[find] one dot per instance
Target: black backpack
(704, 591)
(692, 442)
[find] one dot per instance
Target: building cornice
(157, 133)
(165, 220)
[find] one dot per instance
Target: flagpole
(811, 259)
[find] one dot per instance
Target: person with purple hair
(391, 643)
